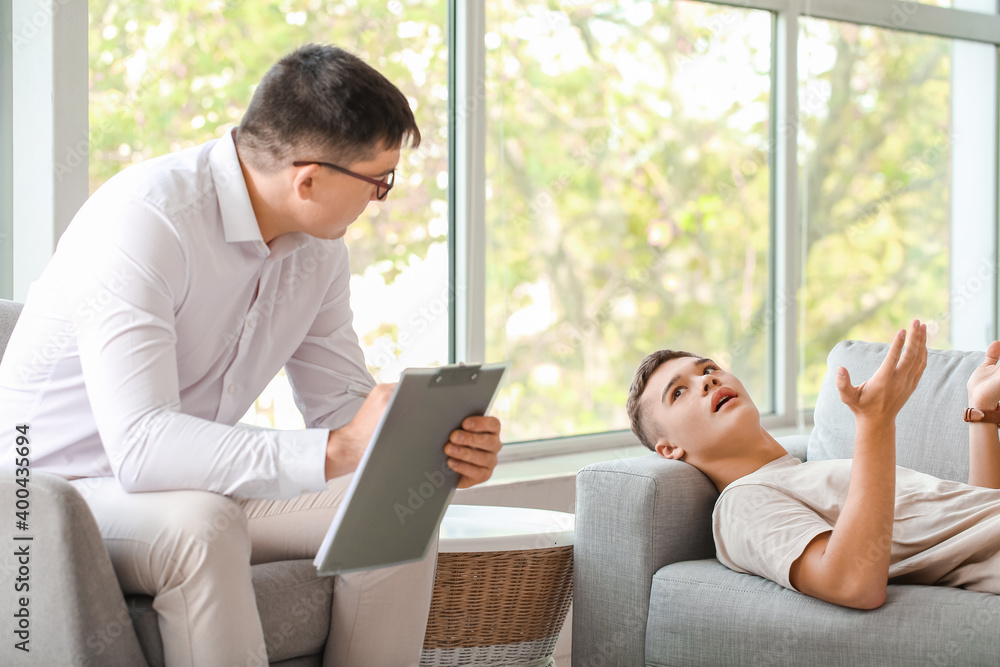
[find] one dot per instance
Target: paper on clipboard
(395, 503)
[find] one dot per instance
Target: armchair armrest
(75, 612)
(633, 517)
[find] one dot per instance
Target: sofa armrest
(76, 614)
(633, 517)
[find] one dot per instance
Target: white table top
(478, 528)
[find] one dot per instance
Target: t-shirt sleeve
(761, 530)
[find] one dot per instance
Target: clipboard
(400, 492)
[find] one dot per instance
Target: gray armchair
(77, 614)
(649, 591)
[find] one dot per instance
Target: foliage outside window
(628, 200)
(629, 184)
(875, 142)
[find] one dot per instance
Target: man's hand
(984, 384)
(880, 398)
(347, 444)
(472, 450)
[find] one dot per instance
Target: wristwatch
(988, 416)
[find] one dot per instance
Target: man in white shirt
(837, 530)
(178, 291)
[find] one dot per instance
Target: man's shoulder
(168, 183)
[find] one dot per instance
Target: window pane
(167, 74)
(627, 200)
(875, 149)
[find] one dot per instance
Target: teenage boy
(177, 292)
(837, 530)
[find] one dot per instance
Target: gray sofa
(76, 612)
(648, 590)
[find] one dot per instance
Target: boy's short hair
(642, 374)
(322, 103)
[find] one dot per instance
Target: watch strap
(976, 415)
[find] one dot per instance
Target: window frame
(46, 86)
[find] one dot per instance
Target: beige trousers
(192, 551)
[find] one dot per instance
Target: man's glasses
(381, 187)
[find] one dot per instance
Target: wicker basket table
(503, 586)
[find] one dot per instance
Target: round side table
(503, 586)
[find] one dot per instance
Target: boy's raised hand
(882, 396)
(984, 384)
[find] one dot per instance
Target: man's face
(696, 410)
(337, 199)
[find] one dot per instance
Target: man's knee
(206, 530)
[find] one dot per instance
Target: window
(754, 182)
(875, 157)
(628, 200)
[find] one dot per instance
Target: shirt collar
(238, 220)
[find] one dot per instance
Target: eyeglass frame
(386, 184)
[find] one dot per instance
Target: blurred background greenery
(629, 181)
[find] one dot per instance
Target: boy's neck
(750, 459)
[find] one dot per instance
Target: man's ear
(303, 181)
(668, 451)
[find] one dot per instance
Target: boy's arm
(984, 443)
(850, 565)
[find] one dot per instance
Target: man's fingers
(485, 441)
(469, 475)
(484, 458)
(481, 424)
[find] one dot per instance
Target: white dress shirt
(159, 320)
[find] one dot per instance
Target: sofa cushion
(702, 613)
(294, 606)
(930, 434)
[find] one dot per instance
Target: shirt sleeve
(761, 530)
(136, 276)
(330, 358)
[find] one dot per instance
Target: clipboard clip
(451, 376)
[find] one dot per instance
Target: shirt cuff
(302, 461)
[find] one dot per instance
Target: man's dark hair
(639, 382)
(322, 103)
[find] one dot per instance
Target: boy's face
(699, 410)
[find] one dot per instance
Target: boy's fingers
(992, 354)
(895, 351)
(911, 353)
(844, 385)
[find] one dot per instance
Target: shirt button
(231, 389)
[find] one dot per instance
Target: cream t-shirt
(944, 533)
